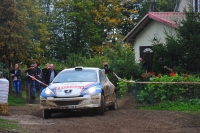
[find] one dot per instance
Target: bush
(158, 92)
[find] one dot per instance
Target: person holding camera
(39, 76)
(108, 71)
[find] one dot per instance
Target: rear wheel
(46, 114)
(115, 105)
(101, 109)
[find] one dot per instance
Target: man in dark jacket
(39, 76)
(31, 74)
(46, 74)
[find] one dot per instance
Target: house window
(196, 5)
(147, 50)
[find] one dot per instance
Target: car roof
(84, 68)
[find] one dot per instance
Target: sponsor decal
(70, 87)
(67, 87)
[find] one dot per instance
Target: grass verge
(10, 126)
(193, 105)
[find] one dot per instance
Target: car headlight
(92, 90)
(48, 91)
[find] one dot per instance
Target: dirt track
(128, 119)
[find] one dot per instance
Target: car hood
(71, 89)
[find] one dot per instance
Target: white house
(152, 27)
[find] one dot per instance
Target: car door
(103, 82)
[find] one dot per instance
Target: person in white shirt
(53, 73)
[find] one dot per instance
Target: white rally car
(77, 89)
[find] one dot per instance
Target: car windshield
(76, 76)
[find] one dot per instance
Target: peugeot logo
(68, 91)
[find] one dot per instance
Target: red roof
(168, 18)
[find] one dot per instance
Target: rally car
(79, 88)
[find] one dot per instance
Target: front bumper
(84, 102)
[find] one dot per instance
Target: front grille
(63, 103)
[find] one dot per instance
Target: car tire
(101, 109)
(46, 114)
(115, 105)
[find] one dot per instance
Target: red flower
(159, 75)
(172, 74)
(150, 73)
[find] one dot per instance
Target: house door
(146, 53)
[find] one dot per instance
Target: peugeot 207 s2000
(77, 89)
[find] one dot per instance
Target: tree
(155, 6)
(23, 36)
(73, 28)
(113, 16)
(182, 51)
(122, 60)
(39, 33)
(188, 38)
(14, 34)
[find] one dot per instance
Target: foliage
(84, 26)
(188, 39)
(15, 34)
(192, 105)
(120, 58)
(78, 60)
(155, 6)
(123, 61)
(73, 29)
(123, 88)
(181, 51)
(23, 35)
(114, 17)
(39, 33)
(153, 93)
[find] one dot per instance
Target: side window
(101, 77)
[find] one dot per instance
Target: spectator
(46, 74)
(31, 81)
(39, 76)
(1, 75)
(108, 71)
(53, 73)
(15, 74)
(143, 64)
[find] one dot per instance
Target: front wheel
(101, 109)
(115, 105)
(46, 114)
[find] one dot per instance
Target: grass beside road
(16, 101)
(12, 125)
(20, 101)
(193, 105)
(9, 125)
